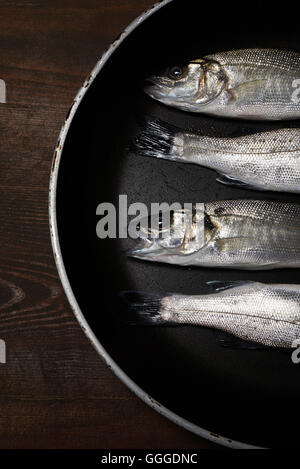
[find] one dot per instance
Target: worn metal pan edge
(62, 271)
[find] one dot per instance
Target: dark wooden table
(55, 391)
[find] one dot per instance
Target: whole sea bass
(256, 312)
(262, 161)
(246, 84)
(240, 234)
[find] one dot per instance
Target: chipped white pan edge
(61, 268)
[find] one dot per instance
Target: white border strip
(61, 268)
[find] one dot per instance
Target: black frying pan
(249, 396)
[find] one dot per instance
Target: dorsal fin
(231, 181)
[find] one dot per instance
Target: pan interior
(245, 395)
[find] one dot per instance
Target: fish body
(261, 161)
(246, 84)
(239, 234)
(267, 314)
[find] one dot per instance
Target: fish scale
(275, 141)
(266, 314)
(265, 161)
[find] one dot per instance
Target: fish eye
(176, 72)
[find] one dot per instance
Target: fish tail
(141, 308)
(157, 138)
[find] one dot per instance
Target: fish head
(187, 86)
(184, 235)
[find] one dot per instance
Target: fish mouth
(156, 89)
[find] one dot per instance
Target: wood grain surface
(55, 391)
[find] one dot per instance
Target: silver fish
(261, 161)
(245, 84)
(268, 314)
(239, 234)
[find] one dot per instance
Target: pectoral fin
(231, 181)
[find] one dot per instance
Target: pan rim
(111, 364)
